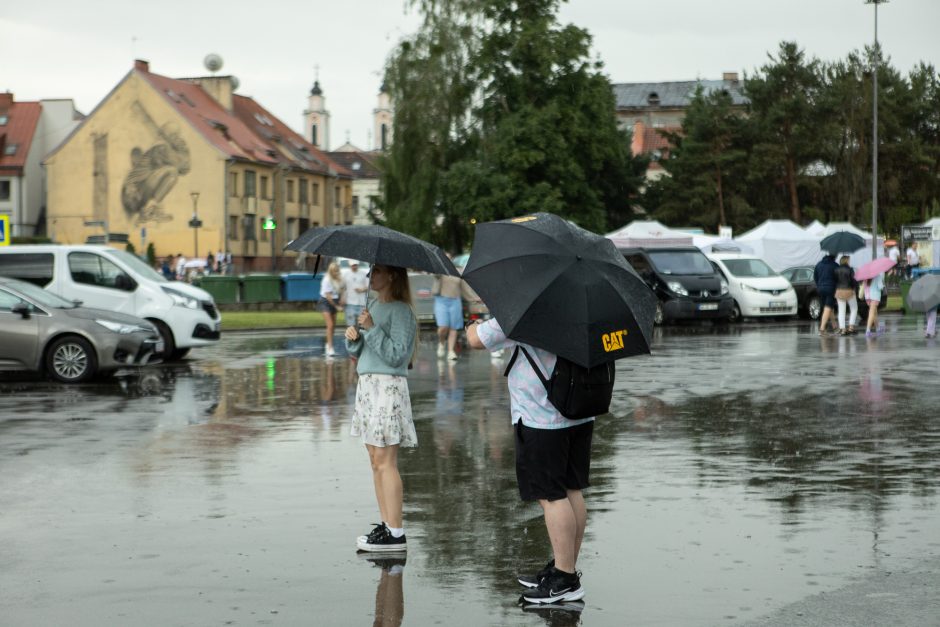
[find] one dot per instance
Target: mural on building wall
(154, 170)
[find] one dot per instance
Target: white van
(757, 290)
(107, 278)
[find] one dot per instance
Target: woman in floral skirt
(384, 343)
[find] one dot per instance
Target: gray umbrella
(925, 293)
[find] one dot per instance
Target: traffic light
(268, 223)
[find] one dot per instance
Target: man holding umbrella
(559, 295)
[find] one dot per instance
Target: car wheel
(735, 313)
(169, 346)
(813, 308)
(71, 359)
(658, 317)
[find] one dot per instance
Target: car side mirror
(124, 282)
(78, 302)
(23, 309)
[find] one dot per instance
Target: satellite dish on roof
(213, 62)
(235, 82)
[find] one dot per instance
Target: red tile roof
(22, 120)
(247, 132)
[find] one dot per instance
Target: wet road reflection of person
(389, 595)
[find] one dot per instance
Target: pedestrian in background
(913, 259)
(825, 279)
(872, 289)
(846, 289)
(356, 281)
(553, 462)
(331, 291)
(384, 344)
(180, 267)
(448, 312)
(166, 269)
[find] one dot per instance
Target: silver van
(115, 280)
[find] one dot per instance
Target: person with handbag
(384, 344)
(846, 286)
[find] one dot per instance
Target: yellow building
(157, 152)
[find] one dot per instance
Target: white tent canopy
(816, 228)
(782, 244)
(712, 243)
(649, 234)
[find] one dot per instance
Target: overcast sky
(80, 50)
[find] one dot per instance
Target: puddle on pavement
(743, 469)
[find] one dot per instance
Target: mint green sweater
(386, 348)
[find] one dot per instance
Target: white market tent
(816, 228)
(649, 234)
(932, 222)
(782, 244)
(716, 243)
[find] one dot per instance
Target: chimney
(220, 88)
(730, 77)
(141, 66)
(6, 100)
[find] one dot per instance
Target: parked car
(40, 331)
(757, 290)
(809, 305)
(686, 285)
(116, 280)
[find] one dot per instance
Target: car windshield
(41, 296)
(681, 262)
(748, 268)
(138, 265)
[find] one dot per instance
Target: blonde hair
(336, 279)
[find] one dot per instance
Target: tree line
(500, 110)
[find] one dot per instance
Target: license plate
(708, 306)
(778, 303)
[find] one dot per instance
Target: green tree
(705, 167)
(784, 95)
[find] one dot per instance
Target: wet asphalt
(748, 475)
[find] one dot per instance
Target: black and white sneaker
(557, 586)
(532, 581)
(372, 535)
(383, 541)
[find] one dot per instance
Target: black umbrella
(556, 286)
(374, 244)
(842, 242)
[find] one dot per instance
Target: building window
(5, 189)
(290, 191)
(316, 194)
(337, 199)
(313, 134)
(3, 120)
(384, 136)
(249, 225)
(233, 184)
(302, 187)
(355, 204)
(304, 224)
(291, 228)
(264, 187)
(233, 227)
(10, 149)
(250, 190)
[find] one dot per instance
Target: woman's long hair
(400, 290)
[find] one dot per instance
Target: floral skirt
(382, 416)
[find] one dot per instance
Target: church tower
(382, 115)
(317, 119)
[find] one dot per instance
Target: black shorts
(827, 298)
(549, 462)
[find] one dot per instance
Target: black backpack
(575, 391)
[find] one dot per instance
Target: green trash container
(224, 289)
(261, 288)
(905, 288)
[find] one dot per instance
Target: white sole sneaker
(363, 545)
(573, 595)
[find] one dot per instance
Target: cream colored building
(158, 152)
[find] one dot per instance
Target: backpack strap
(535, 366)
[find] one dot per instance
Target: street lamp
(874, 143)
(195, 223)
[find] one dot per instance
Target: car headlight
(724, 287)
(120, 327)
(677, 288)
(181, 299)
(748, 288)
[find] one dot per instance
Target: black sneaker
(382, 541)
(532, 581)
(555, 587)
(372, 535)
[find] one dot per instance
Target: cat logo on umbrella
(613, 341)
